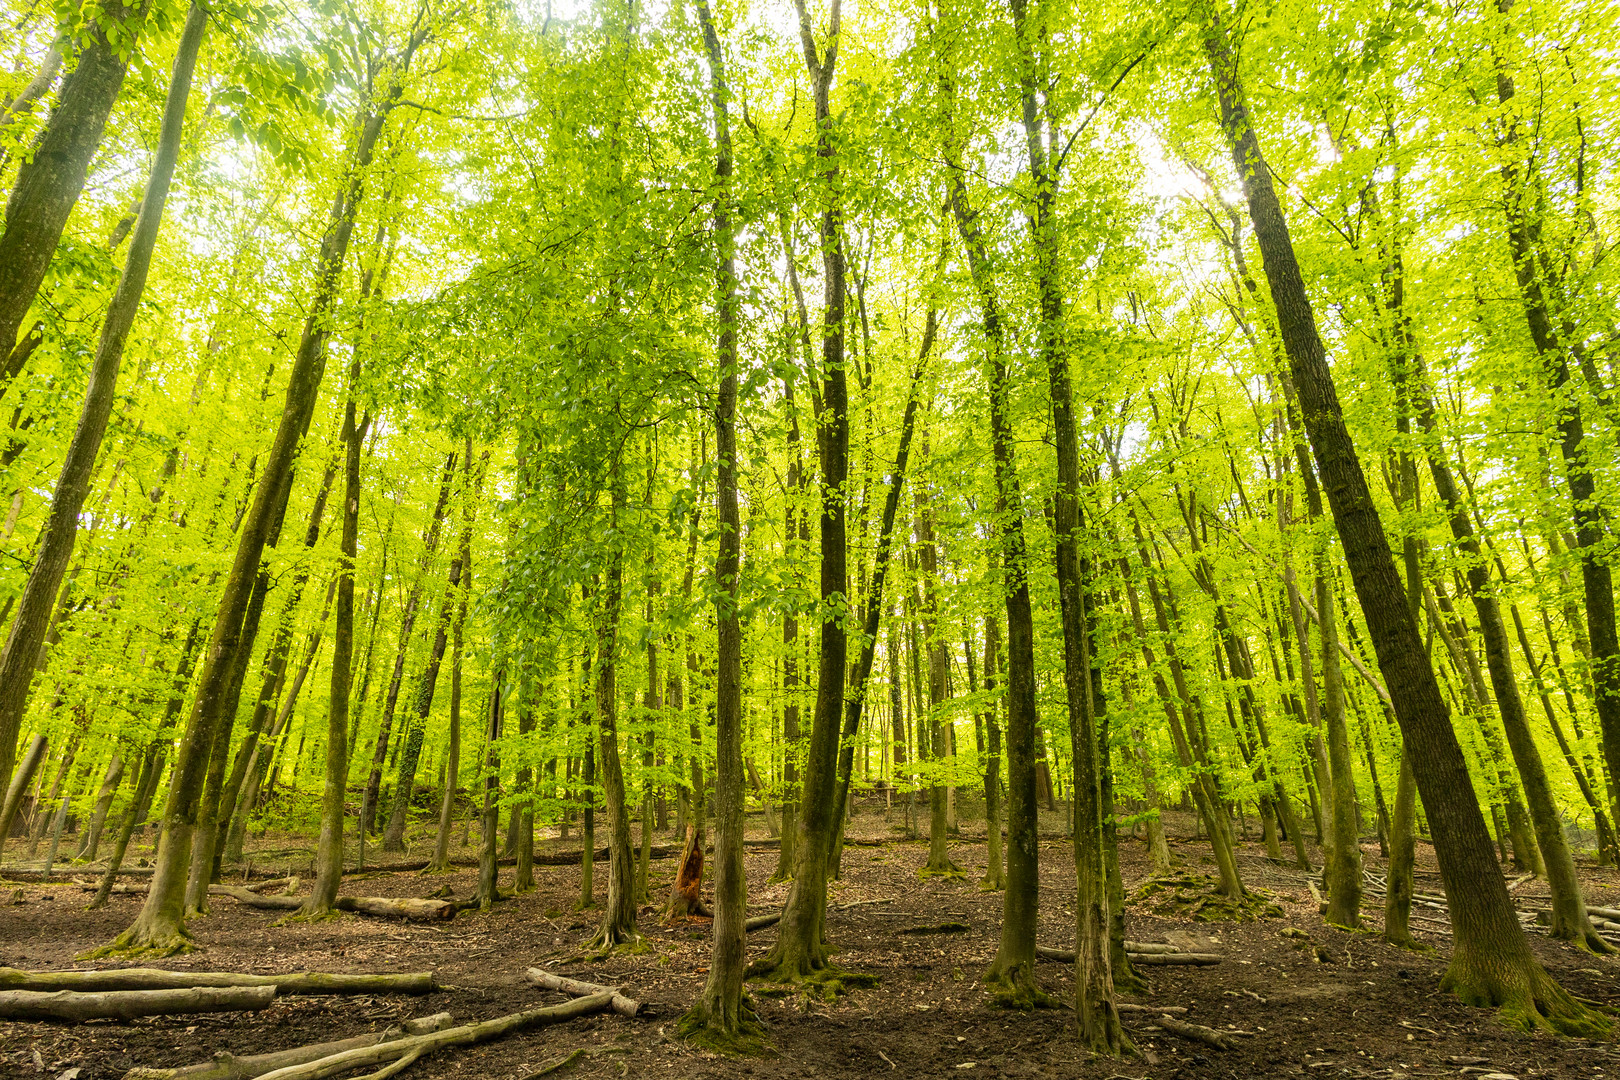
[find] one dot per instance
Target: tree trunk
(1011, 975)
(800, 951)
(160, 926)
(407, 622)
(47, 188)
(48, 185)
(1491, 961)
(722, 1018)
(619, 917)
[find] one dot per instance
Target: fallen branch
(230, 1067)
(418, 1046)
(771, 918)
(128, 1004)
(1195, 1032)
(407, 907)
(622, 1005)
(302, 982)
(1128, 1007)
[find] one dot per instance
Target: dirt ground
(1339, 1004)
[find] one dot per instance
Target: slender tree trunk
(619, 916)
(800, 952)
(48, 185)
(722, 1017)
(1011, 975)
(407, 623)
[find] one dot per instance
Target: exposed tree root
(140, 942)
(1197, 897)
(825, 981)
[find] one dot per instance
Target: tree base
(1538, 1003)
(740, 1036)
(614, 940)
(824, 982)
(309, 915)
(1013, 987)
(948, 870)
(139, 942)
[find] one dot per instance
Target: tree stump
(684, 896)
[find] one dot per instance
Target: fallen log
(541, 858)
(1605, 912)
(1128, 1007)
(1195, 1032)
(624, 1006)
(128, 1004)
(1066, 956)
(227, 1066)
(119, 888)
(406, 907)
(1191, 959)
(61, 875)
(417, 1046)
(300, 982)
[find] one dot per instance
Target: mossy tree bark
(1491, 961)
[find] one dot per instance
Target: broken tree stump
(624, 1006)
(417, 1046)
(226, 1066)
(301, 982)
(129, 1004)
(684, 899)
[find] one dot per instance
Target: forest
(764, 538)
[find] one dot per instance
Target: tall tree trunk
(800, 951)
(723, 1018)
(441, 847)
(160, 926)
(939, 857)
(50, 180)
(1011, 975)
(619, 916)
(369, 802)
(1491, 960)
(47, 187)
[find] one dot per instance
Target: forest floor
(1331, 1005)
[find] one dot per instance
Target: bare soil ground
(1339, 1004)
